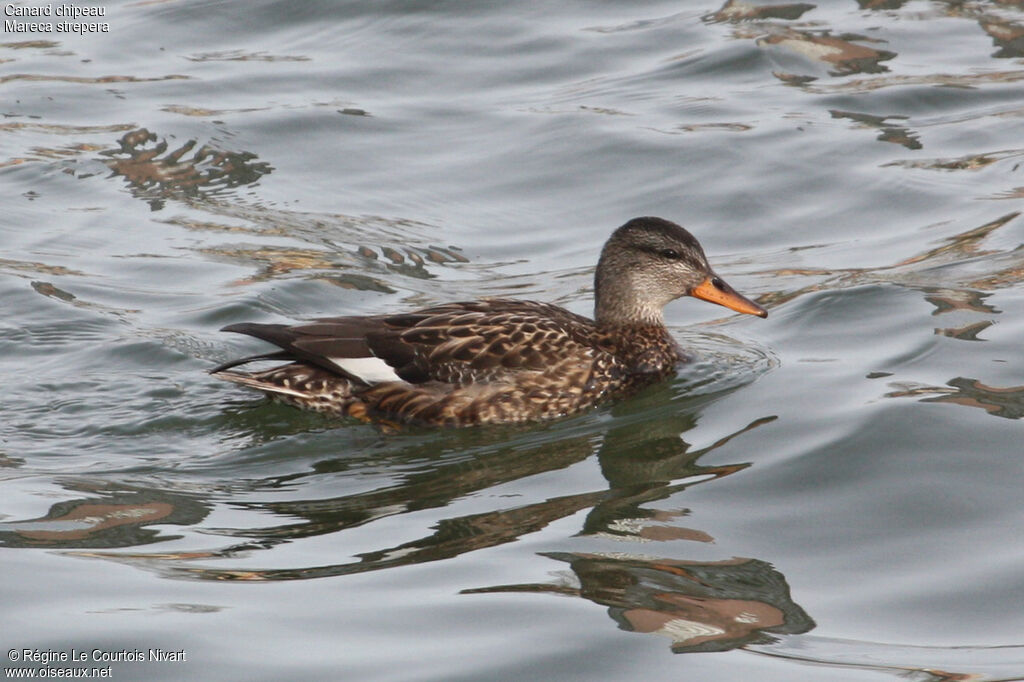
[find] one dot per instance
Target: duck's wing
(454, 343)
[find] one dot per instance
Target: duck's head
(649, 262)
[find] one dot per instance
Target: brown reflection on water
(365, 267)
(49, 154)
(156, 173)
(963, 245)
(970, 162)
(1007, 35)
(641, 464)
(737, 10)
(344, 269)
(962, 291)
(865, 85)
(844, 54)
(700, 606)
(889, 133)
(17, 267)
(1006, 268)
(952, 300)
(49, 290)
(111, 516)
(999, 401)
(198, 176)
(8, 462)
(243, 56)
(839, 55)
(967, 332)
(966, 300)
(100, 80)
(881, 4)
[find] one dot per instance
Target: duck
(497, 360)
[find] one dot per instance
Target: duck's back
(489, 361)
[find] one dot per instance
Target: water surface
(831, 493)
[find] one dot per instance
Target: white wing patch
(368, 370)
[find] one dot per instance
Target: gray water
(829, 494)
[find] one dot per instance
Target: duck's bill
(714, 290)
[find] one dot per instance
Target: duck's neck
(629, 317)
(642, 343)
(627, 313)
(620, 304)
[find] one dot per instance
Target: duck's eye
(717, 283)
(671, 254)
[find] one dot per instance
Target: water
(829, 494)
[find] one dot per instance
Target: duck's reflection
(700, 606)
(660, 466)
(642, 461)
(110, 516)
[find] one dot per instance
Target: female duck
(498, 360)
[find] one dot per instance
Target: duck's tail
(301, 385)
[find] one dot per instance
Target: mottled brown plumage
(498, 360)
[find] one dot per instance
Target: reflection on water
(955, 261)
(900, 135)
(112, 516)
(1007, 35)
(841, 56)
(914, 663)
(948, 263)
(338, 253)
(967, 332)
(999, 401)
(156, 174)
(700, 606)
(951, 300)
(642, 463)
(970, 162)
(199, 176)
(736, 10)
